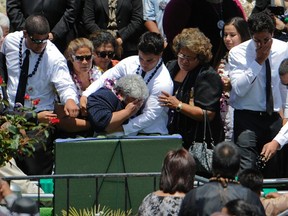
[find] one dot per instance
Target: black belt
(259, 113)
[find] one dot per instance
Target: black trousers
(252, 130)
(42, 160)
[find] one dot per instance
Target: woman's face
(103, 55)
(231, 36)
(187, 60)
(82, 60)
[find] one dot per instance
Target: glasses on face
(188, 58)
(103, 54)
(81, 58)
(38, 41)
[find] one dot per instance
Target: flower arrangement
(17, 134)
(97, 211)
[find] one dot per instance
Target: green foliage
(18, 137)
(96, 211)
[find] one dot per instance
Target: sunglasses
(38, 41)
(81, 58)
(103, 54)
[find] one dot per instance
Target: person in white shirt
(254, 116)
(149, 64)
(47, 71)
(153, 11)
(270, 148)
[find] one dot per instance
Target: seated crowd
(118, 79)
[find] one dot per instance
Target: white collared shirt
(52, 73)
(248, 78)
(153, 118)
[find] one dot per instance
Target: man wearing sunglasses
(47, 71)
(153, 118)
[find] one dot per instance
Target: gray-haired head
(4, 20)
(4, 23)
(132, 86)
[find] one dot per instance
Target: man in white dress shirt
(254, 120)
(149, 64)
(270, 149)
(47, 71)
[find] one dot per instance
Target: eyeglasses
(38, 41)
(188, 58)
(103, 54)
(81, 58)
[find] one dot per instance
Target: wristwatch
(179, 107)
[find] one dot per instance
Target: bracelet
(179, 107)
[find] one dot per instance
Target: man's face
(148, 60)
(284, 79)
(36, 42)
(262, 39)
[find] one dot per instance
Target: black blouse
(205, 86)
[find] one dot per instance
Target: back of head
(4, 20)
(37, 24)
(239, 207)
(283, 68)
(178, 172)
(132, 86)
(261, 22)
(24, 206)
(251, 178)
(151, 43)
(225, 160)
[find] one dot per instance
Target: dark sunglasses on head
(81, 58)
(103, 54)
(38, 41)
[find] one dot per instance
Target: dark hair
(239, 207)
(261, 22)
(37, 24)
(178, 172)
(225, 160)
(101, 37)
(283, 68)
(151, 43)
(241, 27)
(251, 178)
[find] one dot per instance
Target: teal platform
(137, 154)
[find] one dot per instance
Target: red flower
(27, 97)
(54, 121)
(1, 80)
(36, 101)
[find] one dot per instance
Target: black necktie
(269, 96)
(143, 74)
(23, 79)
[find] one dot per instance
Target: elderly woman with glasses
(105, 49)
(79, 55)
(197, 87)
